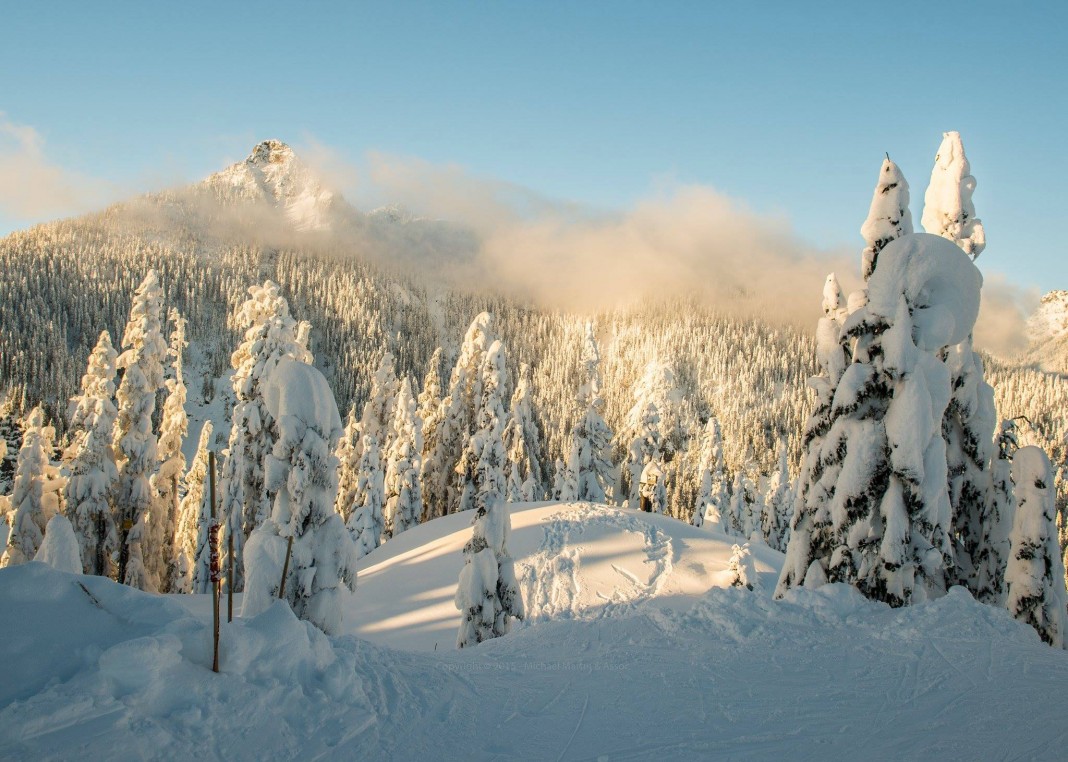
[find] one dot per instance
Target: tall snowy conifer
(404, 497)
(134, 438)
(366, 522)
(589, 469)
(644, 446)
(522, 443)
(91, 461)
(713, 497)
(1034, 576)
(970, 418)
(990, 565)
(192, 572)
(488, 594)
(458, 417)
(883, 459)
(174, 426)
(430, 412)
(301, 472)
(810, 524)
(349, 448)
(480, 472)
(778, 495)
(271, 334)
(36, 493)
(377, 418)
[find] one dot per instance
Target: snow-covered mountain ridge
(273, 173)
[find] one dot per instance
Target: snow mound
(572, 561)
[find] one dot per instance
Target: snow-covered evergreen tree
(270, 335)
(522, 443)
(458, 418)
(134, 437)
(778, 494)
(430, 412)
(589, 473)
(192, 572)
(1034, 576)
(644, 446)
(889, 217)
(36, 495)
(810, 524)
(301, 472)
(349, 449)
(60, 548)
(487, 595)
(480, 473)
(713, 497)
(366, 522)
(163, 519)
(948, 210)
(377, 418)
(404, 498)
(90, 461)
(742, 567)
(990, 565)
(653, 487)
(883, 461)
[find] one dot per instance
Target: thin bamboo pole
(213, 539)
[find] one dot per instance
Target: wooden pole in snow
(229, 577)
(285, 568)
(213, 542)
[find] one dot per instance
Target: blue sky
(786, 107)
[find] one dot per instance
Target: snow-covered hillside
(1048, 333)
(633, 650)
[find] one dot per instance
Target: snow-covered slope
(1048, 333)
(573, 561)
(664, 669)
(272, 173)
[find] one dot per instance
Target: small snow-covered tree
(192, 572)
(522, 443)
(366, 523)
(271, 334)
(60, 548)
(948, 210)
(889, 217)
(404, 498)
(742, 567)
(134, 437)
(163, 518)
(1034, 575)
(90, 461)
(302, 474)
(653, 487)
(36, 495)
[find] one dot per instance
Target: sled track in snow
(551, 579)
